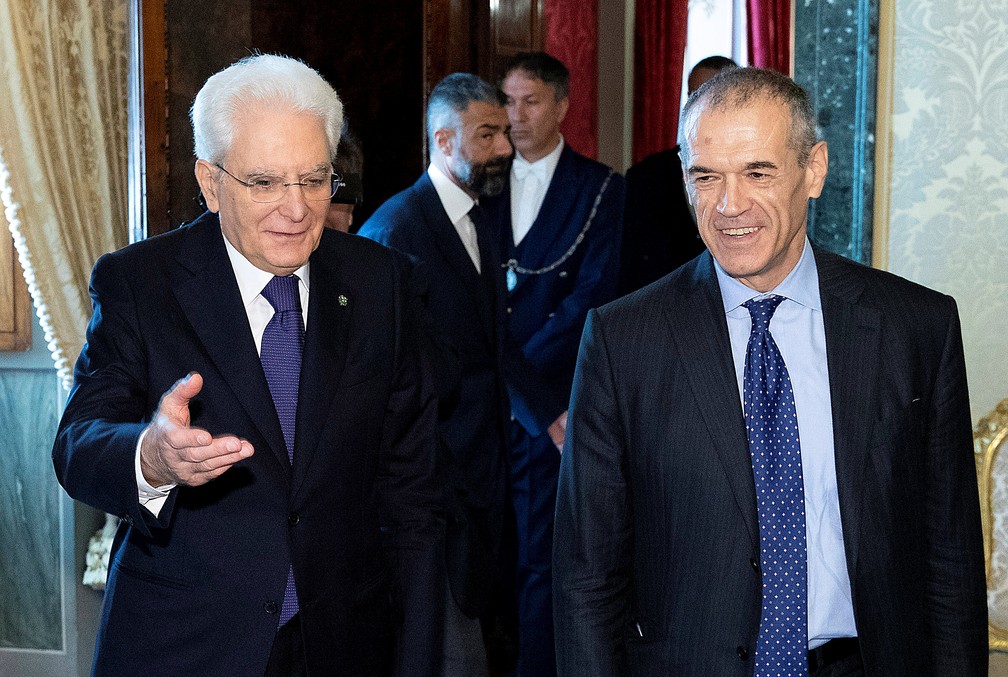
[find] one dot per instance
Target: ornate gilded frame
(990, 434)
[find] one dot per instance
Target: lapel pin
(342, 300)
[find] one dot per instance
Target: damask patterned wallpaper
(948, 225)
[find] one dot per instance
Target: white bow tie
(524, 169)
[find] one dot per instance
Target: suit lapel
(325, 350)
(450, 245)
(208, 295)
(705, 355)
(852, 354)
(445, 235)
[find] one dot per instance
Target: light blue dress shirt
(797, 328)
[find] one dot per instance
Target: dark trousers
(287, 657)
(535, 467)
(836, 658)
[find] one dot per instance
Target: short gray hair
(736, 88)
(453, 95)
(255, 79)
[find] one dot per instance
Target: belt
(831, 652)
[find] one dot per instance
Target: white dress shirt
(457, 203)
(251, 282)
(529, 182)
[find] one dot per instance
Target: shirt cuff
(152, 498)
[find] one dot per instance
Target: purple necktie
(281, 352)
(282, 342)
(772, 426)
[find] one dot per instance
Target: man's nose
(293, 203)
(502, 145)
(734, 200)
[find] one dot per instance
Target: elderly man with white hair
(249, 401)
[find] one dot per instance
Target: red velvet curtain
(770, 34)
(572, 37)
(659, 46)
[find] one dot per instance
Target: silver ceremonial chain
(512, 265)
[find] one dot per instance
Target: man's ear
(562, 106)
(444, 138)
(208, 184)
(816, 168)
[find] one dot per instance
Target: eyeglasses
(320, 185)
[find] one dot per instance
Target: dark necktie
(479, 225)
(489, 265)
(280, 353)
(772, 425)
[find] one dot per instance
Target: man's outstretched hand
(174, 453)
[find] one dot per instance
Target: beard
(486, 178)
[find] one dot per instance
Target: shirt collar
(543, 167)
(456, 202)
(251, 280)
(801, 285)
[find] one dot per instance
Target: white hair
(261, 78)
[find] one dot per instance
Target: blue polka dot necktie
(280, 353)
(772, 426)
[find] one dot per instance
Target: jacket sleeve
(534, 401)
(109, 406)
(955, 589)
(593, 535)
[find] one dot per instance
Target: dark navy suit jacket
(546, 312)
(656, 523)
(466, 312)
(196, 590)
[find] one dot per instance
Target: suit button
(271, 608)
(742, 652)
(509, 310)
(293, 519)
(754, 563)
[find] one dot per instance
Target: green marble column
(836, 61)
(31, 520)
